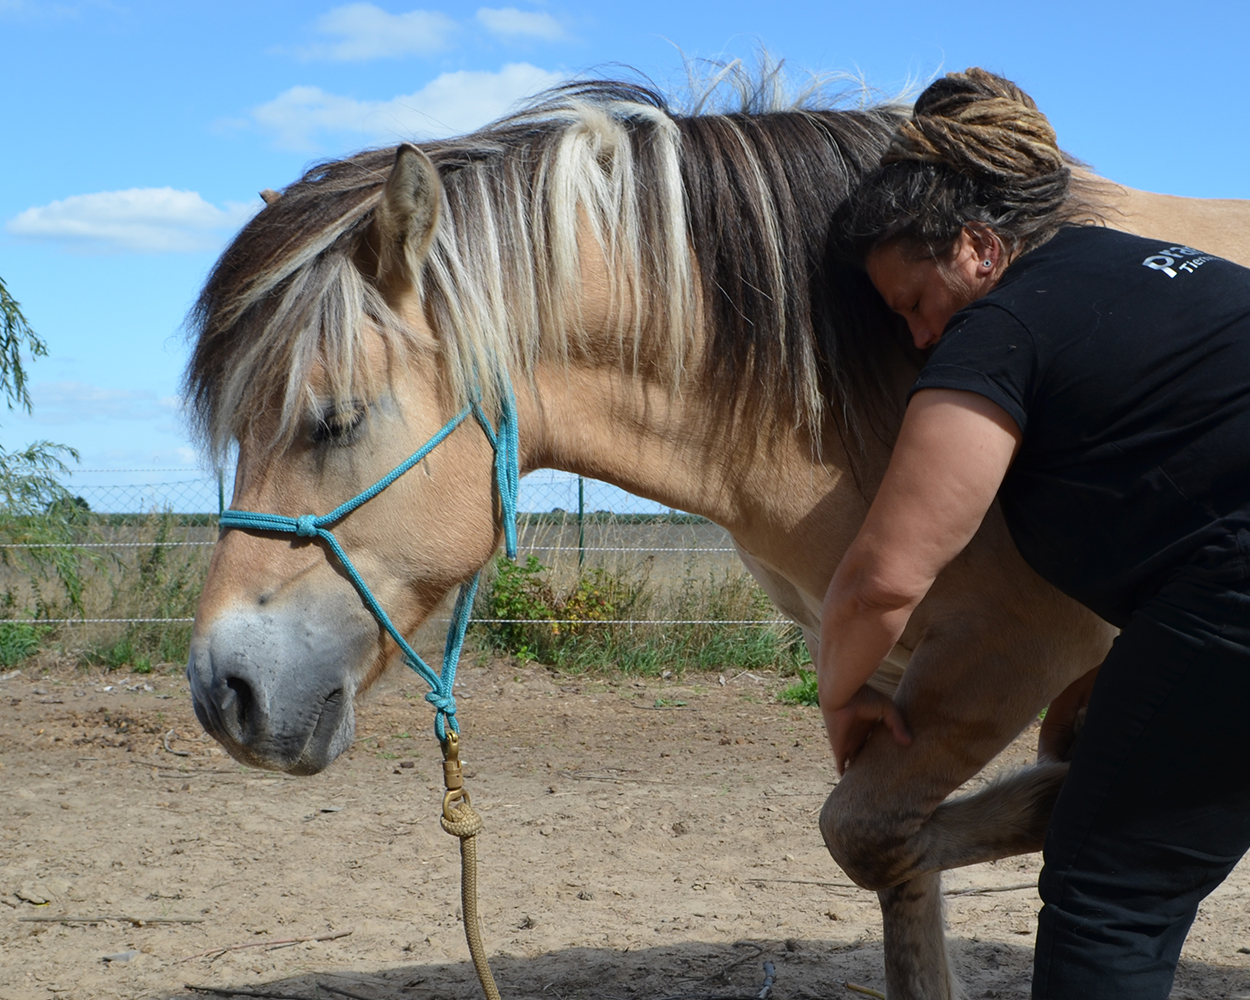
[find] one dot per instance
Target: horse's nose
(238, 707)
(226, 701)
(273, 689)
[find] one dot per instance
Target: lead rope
(458, 816)
(461, 820)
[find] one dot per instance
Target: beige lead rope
(460, 820)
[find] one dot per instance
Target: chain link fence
(600, 573)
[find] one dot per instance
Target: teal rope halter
(507, 479)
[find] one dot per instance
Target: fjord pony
(656, 289)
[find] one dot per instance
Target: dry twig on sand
(865, 990)
(342, 992)
(724, 969)
(137, 921)
(807, 881)
(169, 749)
(223, 991)
(216, 952)
(985, 890)
(766, 991)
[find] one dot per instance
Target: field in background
(114, 579)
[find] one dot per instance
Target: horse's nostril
(241, 712)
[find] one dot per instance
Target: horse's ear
(405, 219)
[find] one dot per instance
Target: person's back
(1126, 364)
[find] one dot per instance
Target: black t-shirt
(1126, 364)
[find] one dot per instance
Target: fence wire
(189, 491)
(147, 535)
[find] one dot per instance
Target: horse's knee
(872, 845)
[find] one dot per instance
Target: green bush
(803, 691)
(163, 581)
(605, 620)
(18, 640)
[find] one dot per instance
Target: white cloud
(449, 104)
(104, 460)
(69, 402)
(509, 22)
(364, 31)
(140, 220)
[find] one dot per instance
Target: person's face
(927, 293)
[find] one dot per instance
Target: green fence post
(221, 492)
(581, 516)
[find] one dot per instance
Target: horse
(656, 300)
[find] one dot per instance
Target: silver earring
(987, 263)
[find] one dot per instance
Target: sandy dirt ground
(643, 840)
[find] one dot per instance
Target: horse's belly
(804, 609)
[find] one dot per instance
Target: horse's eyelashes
(338, 426)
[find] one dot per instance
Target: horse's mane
(754, 192)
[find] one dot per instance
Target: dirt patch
(643, 839)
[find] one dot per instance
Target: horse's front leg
(967, 692)
(916, 964)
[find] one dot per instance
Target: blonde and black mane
(755, 194)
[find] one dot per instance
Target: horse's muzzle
(275, 704)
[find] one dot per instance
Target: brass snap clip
(453, 776)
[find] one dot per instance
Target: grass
(18, 641)
(600, 620)
(583, 620)
(159, 581)
(149, 578)
(802, 691)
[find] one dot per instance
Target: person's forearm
(855, 637)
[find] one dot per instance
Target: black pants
(1156, 809)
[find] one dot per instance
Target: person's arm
(950, 458)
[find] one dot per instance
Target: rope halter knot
(503, 440)
(444, 703)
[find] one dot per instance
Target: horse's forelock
(754, 195)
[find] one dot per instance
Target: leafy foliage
(163, 582)
(802, 691)
(537, 623)
(605, 620)
(18, 640)
(15, 334)
(36, 512)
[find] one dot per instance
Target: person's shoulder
(1100, 253)
(1078, 266)
(1083, 248)
(988, 325)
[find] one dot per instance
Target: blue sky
(135, 135)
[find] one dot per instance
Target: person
(1098, 385)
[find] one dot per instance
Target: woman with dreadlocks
(1097, 384)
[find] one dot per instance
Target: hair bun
(980, 124)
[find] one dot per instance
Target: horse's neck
(1217, 225)
(781, 502)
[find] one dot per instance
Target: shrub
(607, 620)
(18, 640)
(163, 581)
(803, 691)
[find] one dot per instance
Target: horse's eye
(336, 426)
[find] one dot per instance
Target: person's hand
(850, 726)
(1064, 716)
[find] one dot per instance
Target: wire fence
(591, 556)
